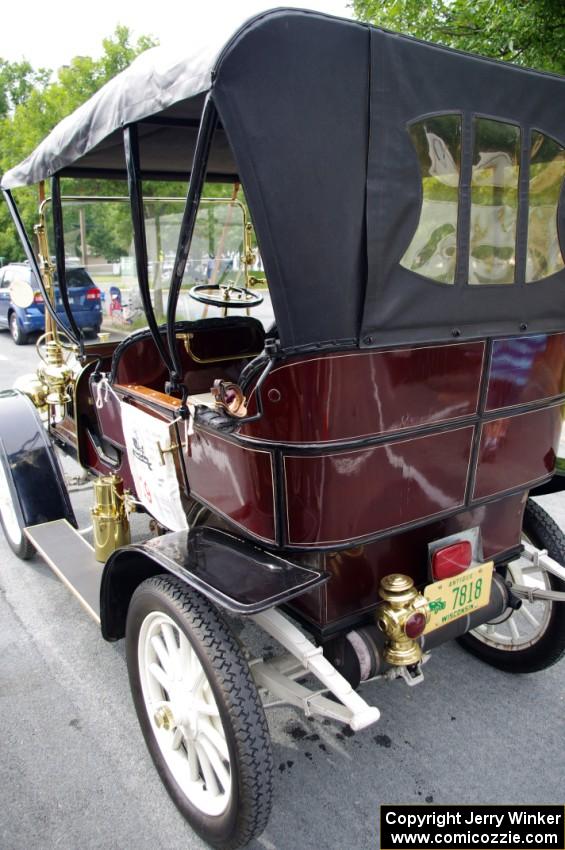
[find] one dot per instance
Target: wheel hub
(187, 717)
(164, 718)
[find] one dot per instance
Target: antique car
(352, 471)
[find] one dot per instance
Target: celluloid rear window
(547, 170)
(433, 249)
(494, 202)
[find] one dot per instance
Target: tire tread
(244, 707)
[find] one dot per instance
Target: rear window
(487, 204)
(547, 171)
(433, 249)
(77, 278)
(494, 201)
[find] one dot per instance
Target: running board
(72, 560)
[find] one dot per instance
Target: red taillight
(415, 625)
(92, 294)
(452, 560)
(37, 298)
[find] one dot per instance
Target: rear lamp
(415, 625)
(92, 294)
(452, 560)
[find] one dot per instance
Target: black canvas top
(374, 227)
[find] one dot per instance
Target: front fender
(233, 573)
(31, 463)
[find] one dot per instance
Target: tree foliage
(33, 101)
(528, 32)
(17, 81)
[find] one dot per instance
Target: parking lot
(75, 773)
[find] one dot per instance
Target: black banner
(472, 827)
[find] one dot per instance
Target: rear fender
(554, 485)
(233, 573)
(30, 460)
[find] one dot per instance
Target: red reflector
(415, 625)
(452, 560)
(37, 298)
(92, 294)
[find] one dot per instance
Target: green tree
(31, 104)
(17, 81)
(528, 32)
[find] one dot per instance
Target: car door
(4, 296)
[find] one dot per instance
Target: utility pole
(82, 224)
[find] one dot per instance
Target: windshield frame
(67, 200)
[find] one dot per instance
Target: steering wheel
(225, 295)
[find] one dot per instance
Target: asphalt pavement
(74, 771)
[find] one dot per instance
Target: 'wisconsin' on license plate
(457, 596)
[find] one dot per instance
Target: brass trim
(168, 450)
(400, 601)
(46, 269)
(186, 337)
(110, 523)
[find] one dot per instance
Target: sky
(50, 34)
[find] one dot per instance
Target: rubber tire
(25, 549)
(544, 533)
(238, 701)
(18, 336)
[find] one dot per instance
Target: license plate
(455, 597)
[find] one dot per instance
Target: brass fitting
(110, 521)
(54, 353)
(249, 255)
(229, 397)
(55, 374)
(163, 718)
(31, 386)
(56, 379)
(401, 601)
(47, 271)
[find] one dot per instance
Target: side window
(547, 171)
(4, 279)
(494, 202)
(433, 249)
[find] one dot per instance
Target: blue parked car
(84, 297)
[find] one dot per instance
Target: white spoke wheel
(199, 711)
(10, 513)
(532, 637)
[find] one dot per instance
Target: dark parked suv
(84, 297)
